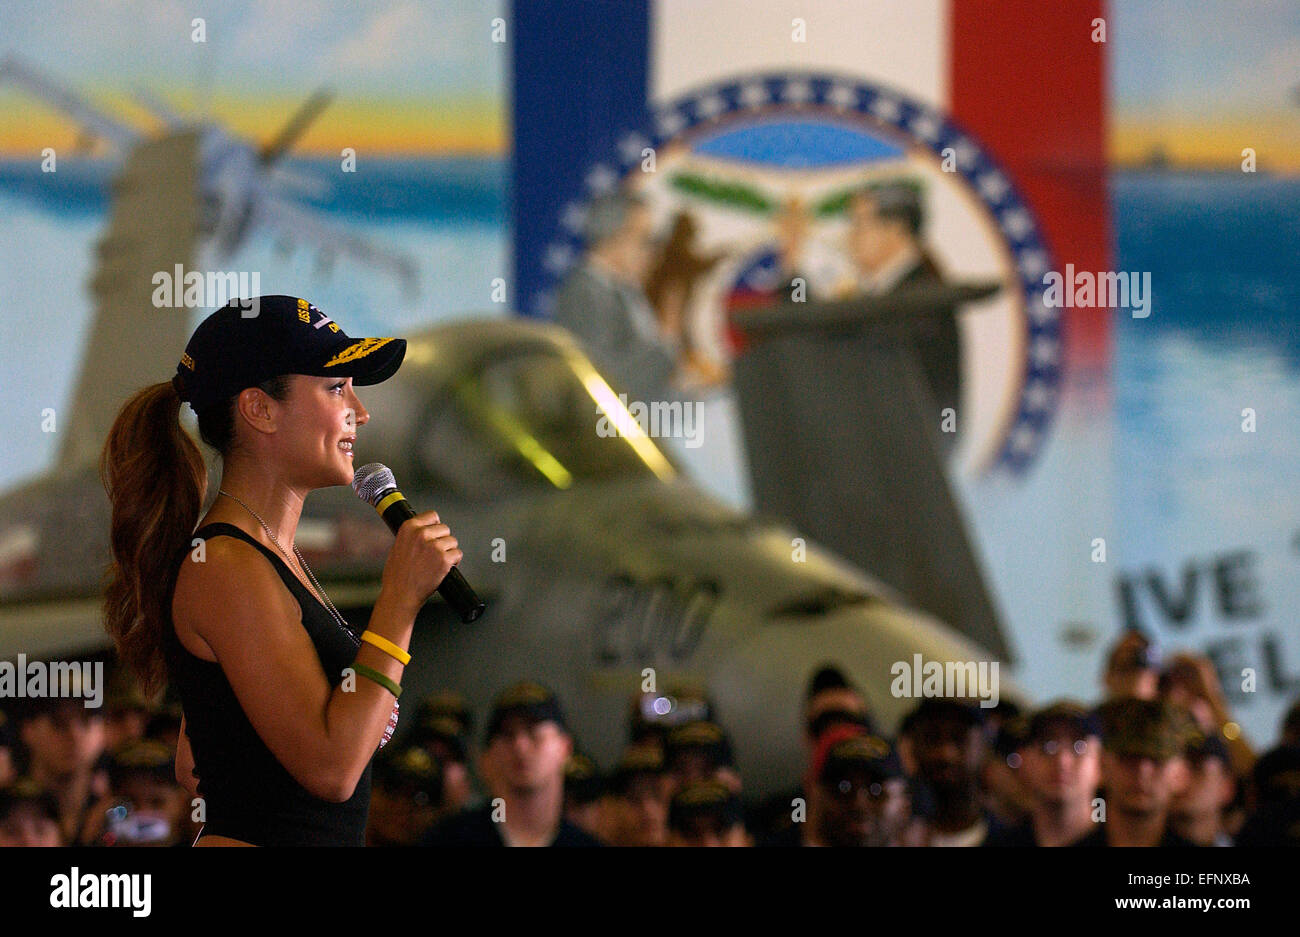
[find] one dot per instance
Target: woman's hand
(422, 555)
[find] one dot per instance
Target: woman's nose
(362, 414)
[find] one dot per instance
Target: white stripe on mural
(695, 43)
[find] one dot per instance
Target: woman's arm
(185, 774)
(322, 735)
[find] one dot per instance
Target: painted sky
(411, 77)
(1198, 81)
(1202, 81)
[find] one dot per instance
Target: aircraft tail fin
(153, 227)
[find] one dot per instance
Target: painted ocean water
(1200, 500)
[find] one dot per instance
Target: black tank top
(248, 794)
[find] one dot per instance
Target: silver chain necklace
(324, 599)
(343, 626)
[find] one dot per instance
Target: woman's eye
(338, 386)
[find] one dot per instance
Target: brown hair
(156, 482)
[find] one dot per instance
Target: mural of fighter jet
(242, 185)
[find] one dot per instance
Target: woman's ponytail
(156, 482)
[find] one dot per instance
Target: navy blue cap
(583, 783)
(248, 341)
(411, 770)
(936, 708)
(533, 701)
(862, 752)
(1209, 746)
(706, 738)
(1277, 775)
(704, 801)
(1075, 717)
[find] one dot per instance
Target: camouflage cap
(1150, 728)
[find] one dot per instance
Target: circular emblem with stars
(753, 178)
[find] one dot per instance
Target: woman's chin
(348, 471)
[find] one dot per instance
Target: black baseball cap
(1277, 775)
(141, 757)
(531, 700)
(637, 761)
(583, 782)
(410, 771)
(443, 731)
(701, 737)
(861, 752)
(938, 708)
(26, 792)
(448, 704)
(1077, 719)
(837, 717)
(248, 341)
(701, 802)
(828, 677)
(1209, 745)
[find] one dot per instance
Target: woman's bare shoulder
(226, 583)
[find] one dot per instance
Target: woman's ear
(258, 409)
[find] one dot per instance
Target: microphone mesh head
(372, 481)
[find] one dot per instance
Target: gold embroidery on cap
(187, 361)
(304, 315)
(359, 350)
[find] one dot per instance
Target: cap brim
(367, 360)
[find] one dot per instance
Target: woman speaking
(279, 736)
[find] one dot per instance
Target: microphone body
(375, 485)
(453, 587)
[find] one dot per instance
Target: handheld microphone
(374, 484)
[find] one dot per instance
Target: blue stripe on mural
(580, 77)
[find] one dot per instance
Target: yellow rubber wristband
(387, 646)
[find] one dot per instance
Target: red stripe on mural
(1029, 82)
